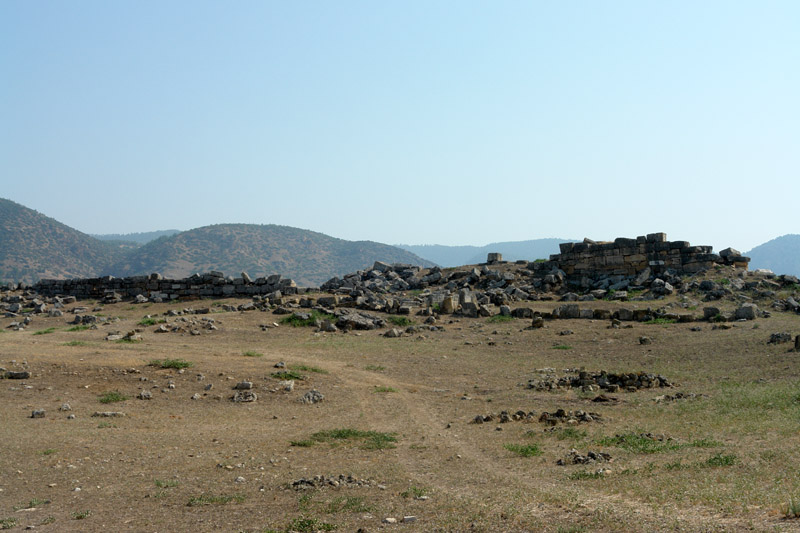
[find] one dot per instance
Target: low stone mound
(607, 381)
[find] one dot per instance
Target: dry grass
(727, 462)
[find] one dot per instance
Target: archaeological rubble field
(495, 397)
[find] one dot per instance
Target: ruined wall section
(213, 284)
(628, 257)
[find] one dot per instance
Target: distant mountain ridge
(308, 257)
(781, 255)
(34, 246)
(138, 238)
(450, 256)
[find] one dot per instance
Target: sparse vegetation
(496, 319)
(166, 483)
(384, 389)
(48, 451)
(370, 440)
(252, 353)
(79, 327)
(308, 525)
(313, 316)
(112, 397)
(348, 504)
(170, 363)
(8, 523)
(44, 331)
(307, 368)
(375, 368)
(562, 347)
(75, 343)
(585, 474)
(401, 321)
(414, 492)
(661, 320)
(524, 450)
(721, 460)
(792, 510)
(288, 374)
(80, 515)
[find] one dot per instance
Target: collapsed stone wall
(629, 257)
(155, 287)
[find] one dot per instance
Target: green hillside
(308, 257)
(34, 246)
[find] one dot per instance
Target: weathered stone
(244, 396)
(312, 396)
(748, 311)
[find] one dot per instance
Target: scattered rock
(15, 374)
(340, 481)
(145, 395)
(108, 414)
(779, 338)
(576, 458)
(38, 413)
(312, 396)
(244, 396)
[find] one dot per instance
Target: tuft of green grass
(48, 451)
(104, 425)
(75, 343)
(661, 321)
(585, 474)
(370, 440)
(562, 347)
(348, 504)
(721, 460)
(151, 321)
(35, 502)
(8, 523)
(414, 492)
(251, 353)
(499, 319)
(297, 322)
(568, 433)
(288, 374)
(792, 510)
(111, 397)
(170, 363)
(80, 327)
(375, 368)
(309, 525)
(401, 321)
(80, 515)
(44, 331)
(384, 389)
(524, 450)
(306, 368)
(215, 499)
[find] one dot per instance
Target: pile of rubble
(339, 481)
(569, 417)
(576, 458)
(607, 381)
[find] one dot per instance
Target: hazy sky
(414, 122)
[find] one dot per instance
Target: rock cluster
(607, 381)
(576, 458)
(339, 481)
(504, 417)
(568, 417)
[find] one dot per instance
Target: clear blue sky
(415, 122)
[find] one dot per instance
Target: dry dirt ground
(728, 461)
